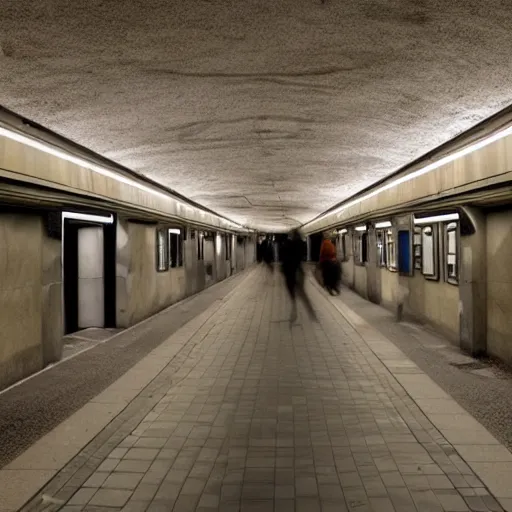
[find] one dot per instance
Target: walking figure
(293, 254)
(267, 250)
(331, 272)
(268, 253)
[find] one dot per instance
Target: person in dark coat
(268, 253)
(293, 254)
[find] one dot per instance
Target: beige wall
(360, 282)
(240, 256)
(141, 290)
(435, 302)
(30, 165)
(194, 269)
(250, 251)
(221, 263)
(347, 266)
(490, 165)
(210, 262)
(347, 272)
(388, 286)
(499, 284)
(20, 296)
(53, 320)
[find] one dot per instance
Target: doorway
(89, 272)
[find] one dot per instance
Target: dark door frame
(70, 272)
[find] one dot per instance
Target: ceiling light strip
(103, 171)
(383, 224)
(88, 217)
(420, 172)
(436, 218)
(360, 228)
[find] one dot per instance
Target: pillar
(403, 223)
(371, 267)
(473, 285)
(52, 292)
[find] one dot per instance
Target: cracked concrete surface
(267, 112)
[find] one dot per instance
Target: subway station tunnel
(148, 361)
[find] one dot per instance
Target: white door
(91, 296)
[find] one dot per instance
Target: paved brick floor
(259, 415)
(486, 394)
(47, 399)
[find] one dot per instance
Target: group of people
(292, 256)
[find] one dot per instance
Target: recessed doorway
(89, 270)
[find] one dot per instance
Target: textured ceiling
(267, 111)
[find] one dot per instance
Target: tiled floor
(45, 400)
(482, 387)
(260, 415)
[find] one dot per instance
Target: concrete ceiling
(267, 111)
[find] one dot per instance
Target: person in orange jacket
(329, 265)
(327, 251)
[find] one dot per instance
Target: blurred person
(292, 256)
(331, 272)
(268, 253)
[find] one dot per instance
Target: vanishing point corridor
(243, 411)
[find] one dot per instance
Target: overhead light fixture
(342, 231)
(436, 218)
(383, 224)
(175, 231)
(360, 228)
(88, 217)
(424, 170)
(50, 150)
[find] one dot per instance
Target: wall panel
(499, 284)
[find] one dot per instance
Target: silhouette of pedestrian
(331, 272)
(293, 254)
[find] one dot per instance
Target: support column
(371, 267)
(403, 223)
(52, 292)
(308, 243)
(473, 285)
(123, 261)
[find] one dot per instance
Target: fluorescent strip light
(101, 170)
(342, 231)
(87, 217)
(175, 231)
(360, 228)
(424, 170)
(384, 224)
(437, 218)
